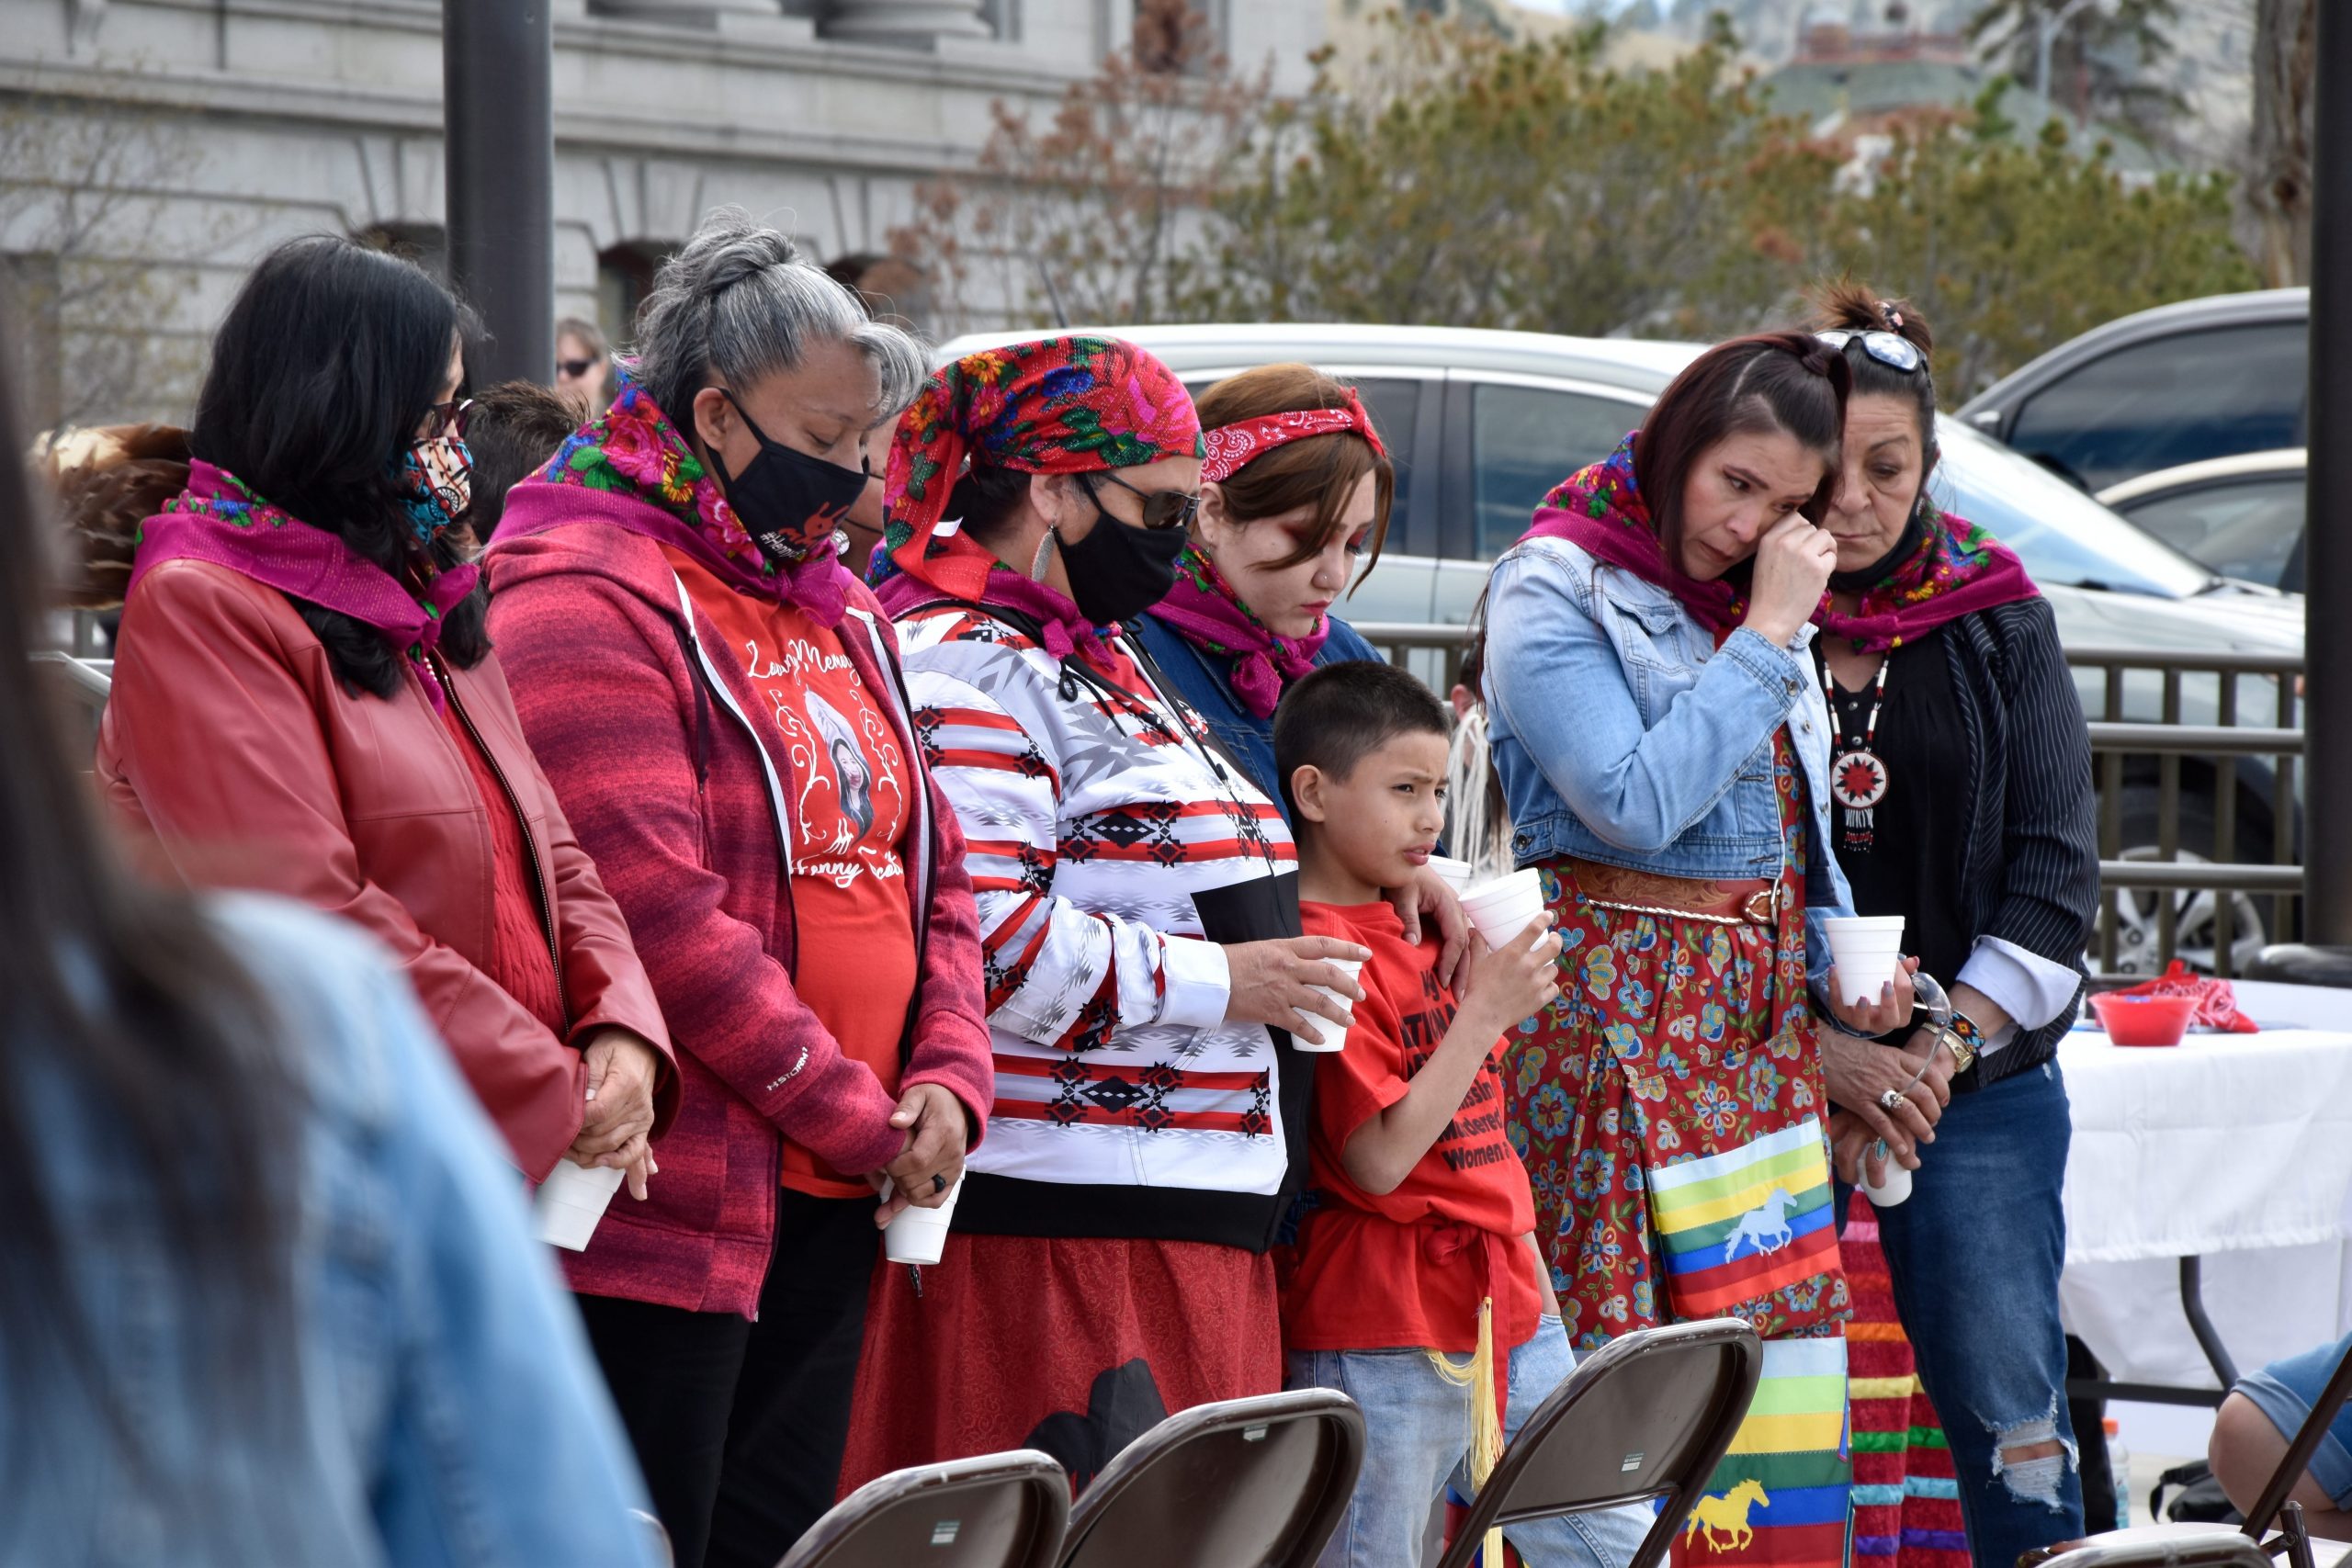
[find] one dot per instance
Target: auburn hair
(1784, 382)
(1318, 471)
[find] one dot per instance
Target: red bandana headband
(1233, 448)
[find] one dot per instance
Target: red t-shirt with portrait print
(1409, 1266)
(846, 782)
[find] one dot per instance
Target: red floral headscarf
(1061, 405)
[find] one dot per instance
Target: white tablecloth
(2236, 1149)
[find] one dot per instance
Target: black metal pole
(497, 65)
(2325, 956)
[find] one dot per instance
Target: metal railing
(2133, 935)
(2214, 881)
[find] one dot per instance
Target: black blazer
(2030, 843)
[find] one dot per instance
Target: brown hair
(591, 336)
(1852, 306)
(1322, 472)
(1787, 382)
(513, 428)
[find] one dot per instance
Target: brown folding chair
(1258, 1482)
(997, 1511)
(2292, 1541)
(1648, 1414)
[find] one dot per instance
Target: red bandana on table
(1061, 405)
(1203, 609)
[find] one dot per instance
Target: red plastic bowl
(2143, 1020)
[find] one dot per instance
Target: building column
(904, 22)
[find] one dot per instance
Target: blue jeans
(1418, 1439)
(1975, 1255)
(2285, 1391)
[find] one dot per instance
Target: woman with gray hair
(717, 704)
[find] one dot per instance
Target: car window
(2239, 527)
(2170, 400)
(2062, 534)
(1524, 440)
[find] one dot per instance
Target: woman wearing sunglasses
(1960, 799)
(305, 700)
(583, 365)
(1139, 910)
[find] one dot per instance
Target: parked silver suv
(1482, 423)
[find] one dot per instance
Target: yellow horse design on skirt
(1727, 1514)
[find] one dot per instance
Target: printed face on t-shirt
(851, 801)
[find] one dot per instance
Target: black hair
(326, 365)
(126, 1007)
(985, 497)
(1340, 714)
(1786, 382)
(512, 429)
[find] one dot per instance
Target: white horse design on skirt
(1766, 1226)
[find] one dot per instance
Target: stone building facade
(151, 149)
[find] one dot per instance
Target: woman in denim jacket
(1664, 751)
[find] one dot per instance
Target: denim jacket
(445, 1410)
(1624, 735)
(1199, 677)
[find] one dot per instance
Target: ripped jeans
(1975, 1258)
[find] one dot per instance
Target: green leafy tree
(2101, 60)
(1471, 180)
(2012, 248)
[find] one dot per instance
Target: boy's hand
(1519, 979)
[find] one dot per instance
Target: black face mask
(1120, 570)
(789, 501)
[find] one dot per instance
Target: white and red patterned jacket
(1102, 829)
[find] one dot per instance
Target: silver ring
(1891, 1100)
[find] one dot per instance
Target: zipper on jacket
(542, 897)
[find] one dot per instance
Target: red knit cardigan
(666, 792)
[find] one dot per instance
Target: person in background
(2258, 1421)
(1420, 1243)
(270, 1293)
(1665, 752)
(305, 701)
(511, 430)
(1478, 823)
(583, 365)
(1962, 800)
(718, 701)
(1138, 905)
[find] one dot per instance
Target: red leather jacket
(230, 747)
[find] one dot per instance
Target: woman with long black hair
(266, 1294)
(306, 703)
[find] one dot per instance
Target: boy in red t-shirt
(1421, 1217)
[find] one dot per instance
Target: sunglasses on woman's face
(574, 368)
(447, 420)
(1162, 508)
(1891, 349)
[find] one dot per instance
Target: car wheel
(2136, 951)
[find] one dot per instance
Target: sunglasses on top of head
(1162, 508)
(1890, 349)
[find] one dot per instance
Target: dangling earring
(1044, 549)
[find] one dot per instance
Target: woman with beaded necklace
(1961, 795)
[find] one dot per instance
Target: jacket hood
(552, 530)
(108, 481)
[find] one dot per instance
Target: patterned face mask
(434, 478)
